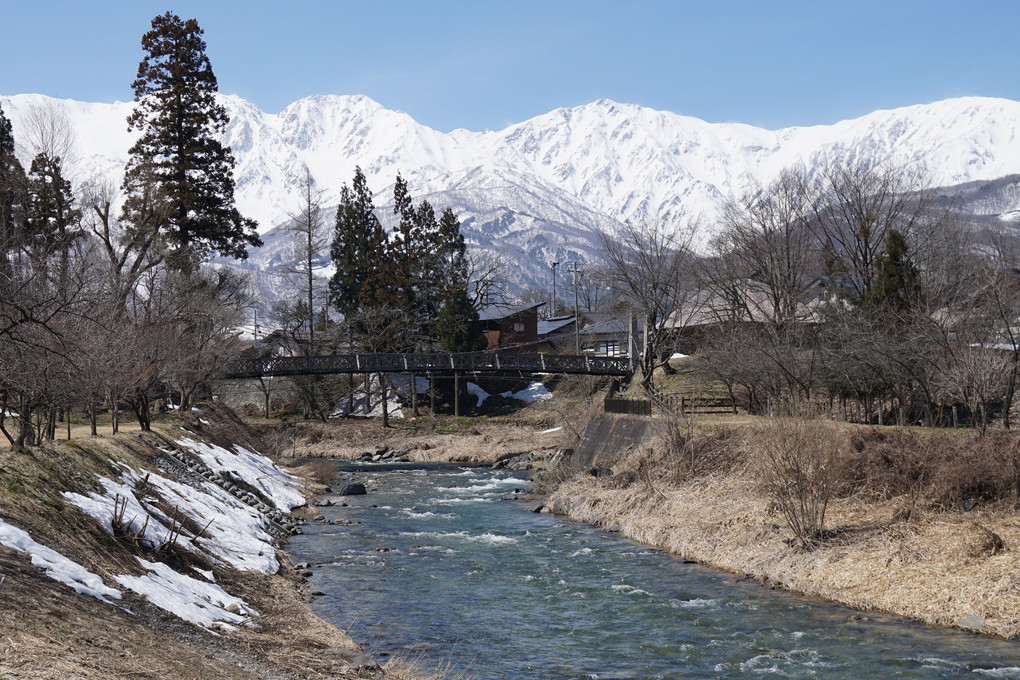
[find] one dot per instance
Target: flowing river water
(432, 565)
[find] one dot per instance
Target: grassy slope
(47, 631)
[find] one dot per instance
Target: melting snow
(477, 392)
(56, 565)
(235, 533)
(536, 391)
(253, 468)
(193, 600)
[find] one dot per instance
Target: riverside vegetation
(51, 631)
(910, 521)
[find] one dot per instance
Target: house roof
(607, 326)
(496, 312)
(552, 325)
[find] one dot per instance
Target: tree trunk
(92, 420)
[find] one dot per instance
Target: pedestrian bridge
(437, 362)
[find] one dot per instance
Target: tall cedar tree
(178, 158)
(457, 323)
(357, 250)
(404, 251)
(12, 186)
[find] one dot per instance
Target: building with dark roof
(511, 328)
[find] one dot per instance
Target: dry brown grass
(48, 631)
(942, 566)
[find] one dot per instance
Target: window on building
(518, 327)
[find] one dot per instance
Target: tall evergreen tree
(357, 250)
(12, 186)
(51, 216)
(896, 285)
(457, 323)
(178, 167)
(404, 251)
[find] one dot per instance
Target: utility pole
(552, 313)
(575, 270)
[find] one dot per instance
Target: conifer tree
(457, 323)
(896, 285)
(51, 214)
(357, 250)
(12, 185)
(404, 250)
(178, 167)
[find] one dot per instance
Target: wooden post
(881, 419)
(382, 391)
(432, 392)
(456, 393)
(955, 418)
(414, 396)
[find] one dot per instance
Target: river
(434, 566)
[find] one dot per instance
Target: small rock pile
(383, 453)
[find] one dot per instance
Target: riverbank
(152, 555)
(939, 564)
(943, 566)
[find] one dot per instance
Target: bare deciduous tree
(652, 266)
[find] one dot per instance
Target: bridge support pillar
(414, 394)
(432, 393)
(456, 393)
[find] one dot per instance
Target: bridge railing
(426, 362)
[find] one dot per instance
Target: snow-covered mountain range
(535, 191)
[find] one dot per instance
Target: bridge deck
(423, 363)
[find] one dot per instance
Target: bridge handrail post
(587, 364)
(357, 362)
(497, 361)
(405, 362)
(542, 359)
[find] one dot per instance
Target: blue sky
(485, 64)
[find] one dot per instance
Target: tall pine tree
(178, 168)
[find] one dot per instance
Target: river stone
(355, 489)
(363, 662)
(972, 622)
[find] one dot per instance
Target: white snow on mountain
(535, 191)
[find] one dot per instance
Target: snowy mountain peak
(536, 189)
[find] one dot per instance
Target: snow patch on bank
(478, 393)
(58, 567)
(255, 469)
(194, 601)
(234, 533)
(536, 391)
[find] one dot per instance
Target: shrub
(690, 451)
(799, 464)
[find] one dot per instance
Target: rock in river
(355, 489)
